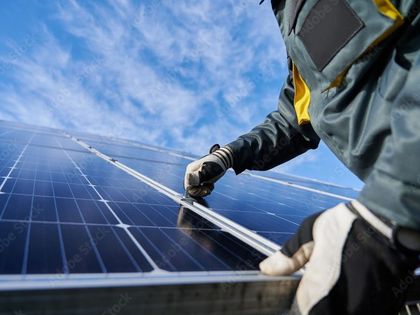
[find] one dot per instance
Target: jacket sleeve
(393, 187)
(278, 139)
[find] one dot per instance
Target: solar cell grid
(27, 203)
(70, 212)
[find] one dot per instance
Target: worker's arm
(278, 139)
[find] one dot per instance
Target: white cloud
(183, 75)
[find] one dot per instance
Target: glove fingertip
(193, 179)
(277, 264)
(197, 191)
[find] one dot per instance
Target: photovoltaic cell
(81, 256)
(13, 237)
(44, 250)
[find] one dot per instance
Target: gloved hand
(201, 175)
(354, 263)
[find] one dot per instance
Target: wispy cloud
(184, 75)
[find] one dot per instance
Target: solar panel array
(66, 208)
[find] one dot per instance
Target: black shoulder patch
(328, 27)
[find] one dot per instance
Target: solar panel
(66, 211)
(79, 210)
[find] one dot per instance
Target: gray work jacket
(354, 82)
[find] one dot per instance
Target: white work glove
(354, 263)
(201, 175)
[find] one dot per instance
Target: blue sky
(182, 75)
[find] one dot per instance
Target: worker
(354, 82)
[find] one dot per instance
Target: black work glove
(201, 175)
(352, 264)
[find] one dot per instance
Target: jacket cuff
(237, 148)
(395, 200)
